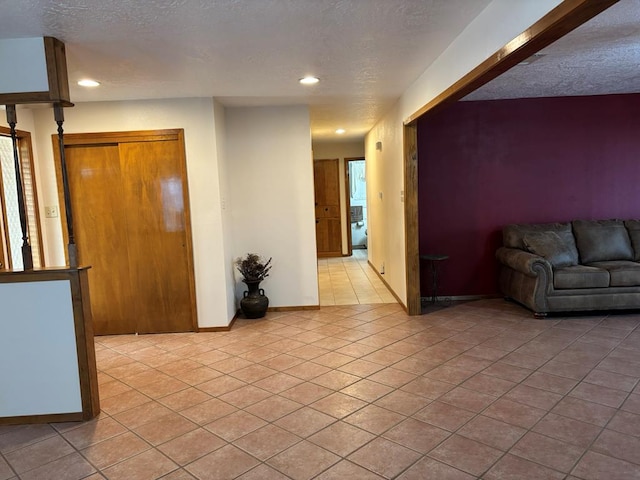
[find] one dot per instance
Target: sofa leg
(539, 315)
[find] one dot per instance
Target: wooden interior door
(100, 215)
(131, 223)
(327, 194)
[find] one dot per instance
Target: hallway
(350, 281)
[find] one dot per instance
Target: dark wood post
(27, 258)
(72, 250)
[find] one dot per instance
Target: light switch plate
(51, 211)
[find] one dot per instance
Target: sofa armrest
(528, 263)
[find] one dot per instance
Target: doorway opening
(356, 200)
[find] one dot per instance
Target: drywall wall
(227, 227)
(340, 150)
(270, 198)
(196, 117)
(385, 184)
(487, 164)
(496, 26)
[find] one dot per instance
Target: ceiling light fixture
(340, 131)
(88, 83)
(309, 80)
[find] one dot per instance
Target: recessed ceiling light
(340, 131)
(88, 83)
(309, 80)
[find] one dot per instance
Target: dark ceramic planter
(255, 303)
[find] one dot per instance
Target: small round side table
(434, 261)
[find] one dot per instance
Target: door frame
(114, 138)
(347, 200)
(566, 17)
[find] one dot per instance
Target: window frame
(25, 150)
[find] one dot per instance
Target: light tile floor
(479, 390)
(350, 281)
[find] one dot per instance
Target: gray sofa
(584, 265)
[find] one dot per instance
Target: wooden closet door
(130, 210)
(153, 184)
(100, 211)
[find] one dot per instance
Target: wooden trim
(19, 98)
(102, 138)
(400, 302)
(566, 17)
(56, 60)
(215, 329)
(85, 343)
(220, 329)
(411, 222)
(188, 231)
(294, 308)
(53, 418)
(37, 274)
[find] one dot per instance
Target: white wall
(325, 150)
(227, 226)
(270, 198)
(196, 117)
(497, 25)
(385, 185)
(39, 337)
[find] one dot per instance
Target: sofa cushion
(513, 235)
(633, 228)
(602, 240)
(560, 252)
(622, 273)
(580, 276)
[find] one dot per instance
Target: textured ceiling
(249, 52)
(600, 57)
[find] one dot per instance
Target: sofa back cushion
(602, 240)
(513, 235)
(633, 229)
(559, 250)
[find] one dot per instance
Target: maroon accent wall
(486, 164)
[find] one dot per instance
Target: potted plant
(254, 269)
